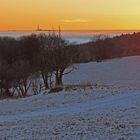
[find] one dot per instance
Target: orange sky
(69, 14)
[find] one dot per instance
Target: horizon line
(41, 30)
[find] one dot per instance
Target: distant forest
(119, 46)
(28, 63)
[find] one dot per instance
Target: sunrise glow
(69, 14)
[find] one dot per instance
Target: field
(101, 101)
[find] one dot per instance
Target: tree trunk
(59, 81)
(46, 84)
(7, 92)
(45, 80)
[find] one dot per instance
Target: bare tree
(6, 78)
(43, 59)
(36, 84)
(23, 78)
(55, 57)
(62, 57)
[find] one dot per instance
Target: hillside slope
(108, 110)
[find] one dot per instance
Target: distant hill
(119, 46)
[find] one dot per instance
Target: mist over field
(73, 36)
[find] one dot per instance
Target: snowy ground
(109, 110)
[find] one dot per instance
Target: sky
(70, 14)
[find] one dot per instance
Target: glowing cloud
(75, 21)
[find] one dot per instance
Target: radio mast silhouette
(38, 27)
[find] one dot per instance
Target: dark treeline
(28, 63)
(119, 46)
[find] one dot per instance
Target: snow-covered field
(107, 110)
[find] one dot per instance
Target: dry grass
(71, 87)
(78, 86)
